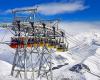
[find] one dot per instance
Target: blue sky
(66, 10)
(91, 13)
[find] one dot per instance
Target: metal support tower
(33, 57)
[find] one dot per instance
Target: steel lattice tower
(34, 42)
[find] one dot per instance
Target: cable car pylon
(35, 42)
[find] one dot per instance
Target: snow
(5, 35)
(8, 78)
(90, 76)
(90, 53)
(6, 53)
(4, 68)
(85, 50)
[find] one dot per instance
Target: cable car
(30, 42)
(52, 43)
(41, 43)
(17, 42)
(61, 47)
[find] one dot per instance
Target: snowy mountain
(84, 50)
(88, 52)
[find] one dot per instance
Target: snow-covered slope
(5, 70)
(88, 52)
(85, 48)
(87, 45)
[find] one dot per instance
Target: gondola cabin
(30, 42)
(22, 42)
(17, 42)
